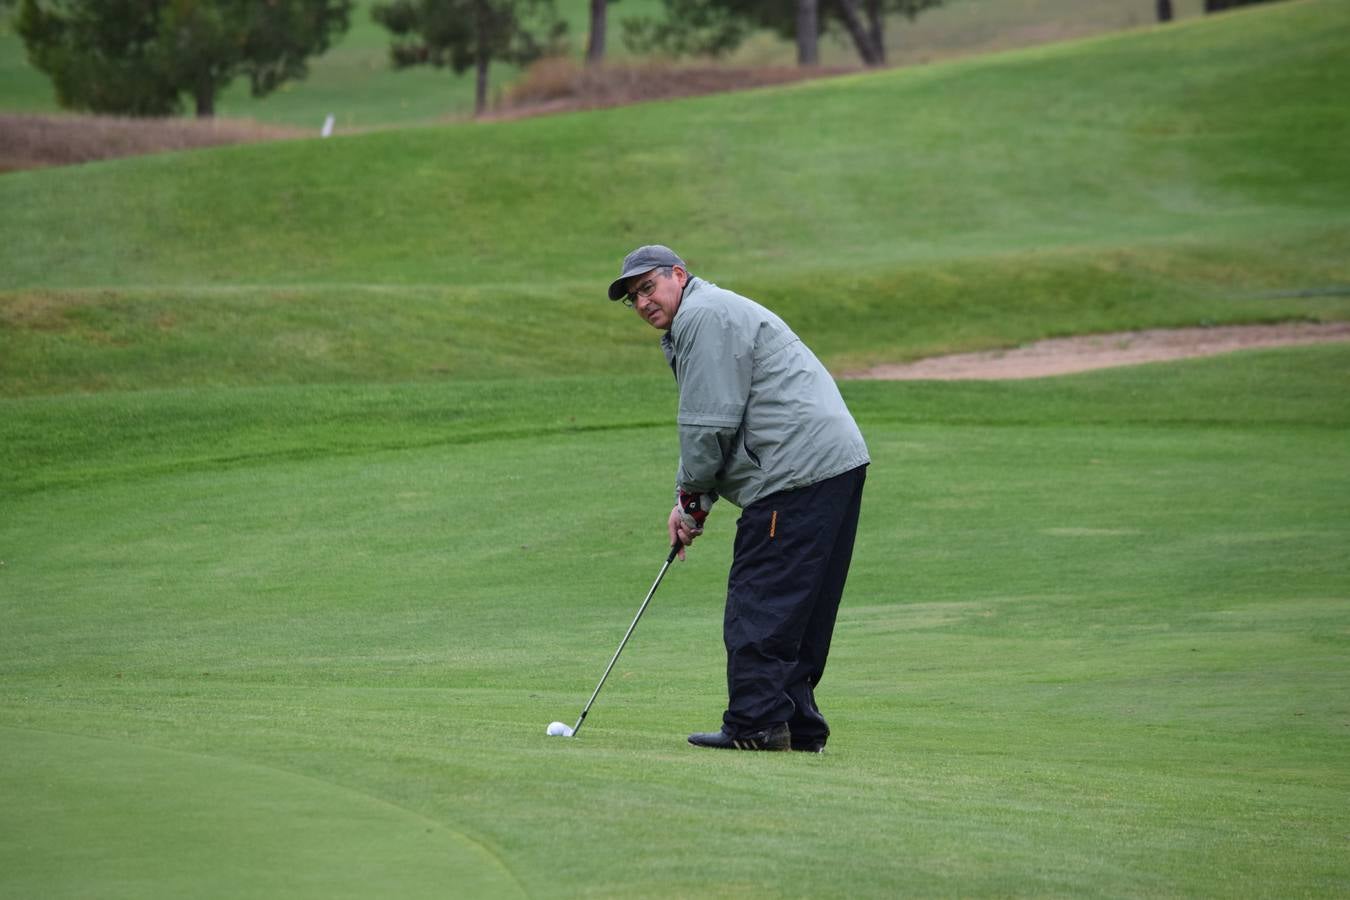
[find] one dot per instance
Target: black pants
(790, 563)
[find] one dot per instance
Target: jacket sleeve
(713, 367)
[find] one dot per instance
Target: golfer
(761, 424)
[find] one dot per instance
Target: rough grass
(63, 441)
(551, 86)
(35, 141)
(788, 180)
(564, 85)
(55, 341)
(986, 216)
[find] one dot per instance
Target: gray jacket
(758, 412)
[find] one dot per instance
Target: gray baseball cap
(643, 259)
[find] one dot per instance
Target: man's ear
(680, 275)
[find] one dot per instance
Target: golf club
(564, 731)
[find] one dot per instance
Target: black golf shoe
(775, 737)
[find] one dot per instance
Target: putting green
(258, 831)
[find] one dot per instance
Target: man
(762, 424)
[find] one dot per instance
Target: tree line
(146, 57)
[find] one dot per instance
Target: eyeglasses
(642, 292)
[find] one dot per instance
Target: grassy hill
(1178, 176)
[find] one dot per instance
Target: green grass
(255, 829)
(1094, 645)
(1044, 192)
(327, 481)
(796, 179)
(56, 341)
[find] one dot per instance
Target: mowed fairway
(1095, 644)
(328, 480)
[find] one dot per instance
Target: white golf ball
(558, 728)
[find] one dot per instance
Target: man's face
(656, 297)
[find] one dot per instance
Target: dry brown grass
(562, 85)
(550, 86)
(32, 141)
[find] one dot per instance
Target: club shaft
(615, 658)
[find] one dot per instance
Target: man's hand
(696, 508)
(687, 518)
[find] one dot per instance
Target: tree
(692, 28)
(714, 27)
(808, 32)
(877, 11)
(871, 53)
(470, 33)
(595, 41)
(139, 57)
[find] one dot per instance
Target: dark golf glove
(694, 508)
